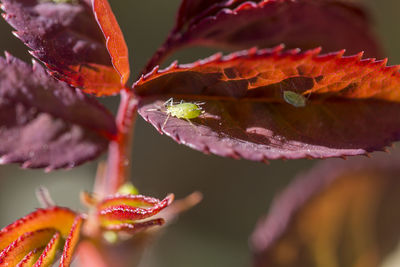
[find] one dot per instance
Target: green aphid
(294, 99)
(182, 110)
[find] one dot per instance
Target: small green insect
(294, 99)
(181, 110)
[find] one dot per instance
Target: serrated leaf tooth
(381, 63)
(9, 58)
(27, 165)
(17, 34)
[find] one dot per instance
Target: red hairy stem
(118, 163)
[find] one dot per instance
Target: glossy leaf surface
(45, 122)
(339, 214)
(239, 24)
(114, 38)
(246, 116)
(67, 38)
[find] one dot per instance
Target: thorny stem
(119, 153)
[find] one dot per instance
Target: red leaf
(245, 113)
(46, 123)
(44, 230)
(131, 200)
(339, 214)
(306, 24)
(239, 24)
(57, 218)
(16, 251)
(126, 213)
(71, 242)
(67, 38)
(114, 38)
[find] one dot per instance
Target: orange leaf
(247, 74)
(71, 242)
(49, 253)
(27, 242)
(100, 80)
(114, 38)
(246, 114)
(59, 219)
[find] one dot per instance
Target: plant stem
(119, 153)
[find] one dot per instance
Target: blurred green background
(237, 193)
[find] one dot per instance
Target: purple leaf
(67, 38)
(191, 10)
(304, 24)
(45, 122)
(341, 213)
(239, 24)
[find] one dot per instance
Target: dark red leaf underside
(67, 38)
(351, 104)
(339, 214)
(194, 9)
(45, 122)
(304, 24)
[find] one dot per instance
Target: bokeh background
(237, 193)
